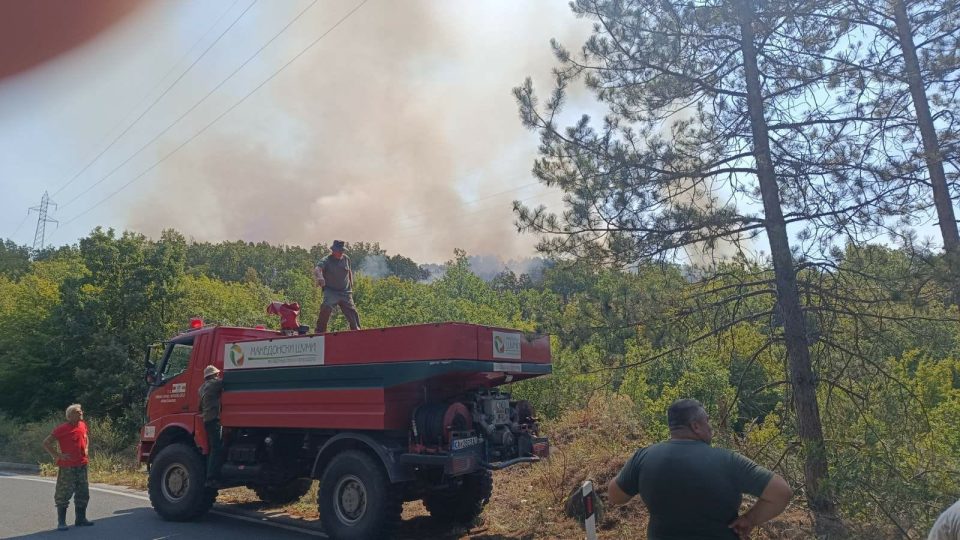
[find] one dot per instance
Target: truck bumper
(471, 459)
(452, 464)
(504, 464)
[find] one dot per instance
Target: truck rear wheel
(462, 504)
(356, 499)
(283, 493)
(176, 484)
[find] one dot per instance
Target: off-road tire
(346, 476)
(176, 484)
(463, 504)
(283, 493)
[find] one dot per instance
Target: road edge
(277, 519)
(19, 467)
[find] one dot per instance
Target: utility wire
(474, 201)
(19, 226)
(465, 203)
(188, 111)
(165, 91)
(413, 232)
(226, 112)
(156, 137)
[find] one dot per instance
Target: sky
(396, 126)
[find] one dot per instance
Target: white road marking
(92, 488)
(262, 521)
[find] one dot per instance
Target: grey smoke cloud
(374, 266)
(489, 266)
(387, 131)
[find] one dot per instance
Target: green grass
(112, 459)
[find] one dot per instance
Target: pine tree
(723, 128)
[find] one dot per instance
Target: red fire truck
(378, 416)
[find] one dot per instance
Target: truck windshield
(175, 360)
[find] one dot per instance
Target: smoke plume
(397, 128)
(374, 266)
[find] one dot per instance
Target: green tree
(359, 252)
(14, 259)
(226, 303)
(713, 136)
(110, 313)
(406, 268)
(33, 376)
(896, 82)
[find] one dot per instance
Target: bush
(22, 442)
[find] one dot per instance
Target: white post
(589, 512)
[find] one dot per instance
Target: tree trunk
(931, 147)
(802, 380)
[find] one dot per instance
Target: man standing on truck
(693, 489)
(71, 437)
(210, 392)
(334, 276)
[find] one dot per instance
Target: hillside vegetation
(74, 321)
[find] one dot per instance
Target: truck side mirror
(146, 360)
(150, 369)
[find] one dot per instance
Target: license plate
(541, 449)
(460, 444)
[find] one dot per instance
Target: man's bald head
(687, 419)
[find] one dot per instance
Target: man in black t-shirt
(693, 490)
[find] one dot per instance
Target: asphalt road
(27, 511)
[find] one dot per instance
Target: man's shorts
(334, 298)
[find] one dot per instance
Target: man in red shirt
(71, 437)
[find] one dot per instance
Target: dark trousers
(345, 301)
(215, 445)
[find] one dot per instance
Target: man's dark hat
(337, 245)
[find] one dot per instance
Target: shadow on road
(144, 523)
(420, 527)
(417, 527)
(122, 524)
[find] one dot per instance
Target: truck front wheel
(356, 499)
(176, 484)
(464, 503)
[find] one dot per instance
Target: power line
(504, 192)
(15, 231)
(465, 203)
(474, 201)
(416, 230)
(231, 108)
(188, 111)
(165, 91)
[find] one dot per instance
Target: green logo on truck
(236, 356)
(506, 345)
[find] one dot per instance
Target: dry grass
(592, 443)
(108, 469)
(589, 443)
(528, 501)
